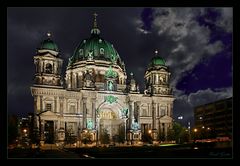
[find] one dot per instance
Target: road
(180, 151)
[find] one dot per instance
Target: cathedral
(95, 97)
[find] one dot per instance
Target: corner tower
(48, 64)
(157, 77)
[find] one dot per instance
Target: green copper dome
(48, 44)
(95, 48)
(157, 61)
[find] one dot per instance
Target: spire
(95, 20)
(95, 29)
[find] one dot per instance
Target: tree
(161, 136)
(12, 128)
(178, 133)
(69, 138)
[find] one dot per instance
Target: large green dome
(95, 48)
(48, 44)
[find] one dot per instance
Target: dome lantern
(95, 30)
(49, 44)
(157, 60)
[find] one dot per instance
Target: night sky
(195, 42)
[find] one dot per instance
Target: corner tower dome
(95, 48)
(48, 44)
(157, 61)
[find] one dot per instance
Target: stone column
(166, 128)
(58, 105)
(84, 112)
(154, 130)
(64, 105)
(94, 111)
(131, 110)
(61, 105)
(41, 104)
(154, 105)
(157, 79)
(55, 104)
(138, 109)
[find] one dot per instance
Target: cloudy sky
(195, 42)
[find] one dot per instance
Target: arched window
(48, 68)
(163, 111)
(48, 107)
(101, 51)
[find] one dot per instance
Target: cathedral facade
(95, 97)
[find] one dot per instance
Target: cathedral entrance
(49, 132)
(111, 126)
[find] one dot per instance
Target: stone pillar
(138, 109)
(55, 104)
(61, 105)
(149, 109)
(157, 79)
(131, 110)
(154, 115)
(94, 111)
(35, 111)
(64, 105)
(170, 109)
(166, 129)
(41, 104)
(84, 112)
(77, 109)
(58, 105)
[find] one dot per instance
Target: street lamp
(149, 131)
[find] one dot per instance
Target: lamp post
(189, 131)
(195, 134)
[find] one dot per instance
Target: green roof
(95, 48)
(48, 44)
(157, 61)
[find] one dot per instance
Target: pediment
(166, 118)
(48, 113)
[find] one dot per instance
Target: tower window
(163, 111)
(48, 107)
(48, 68)
(72, 109)
(101, 51)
